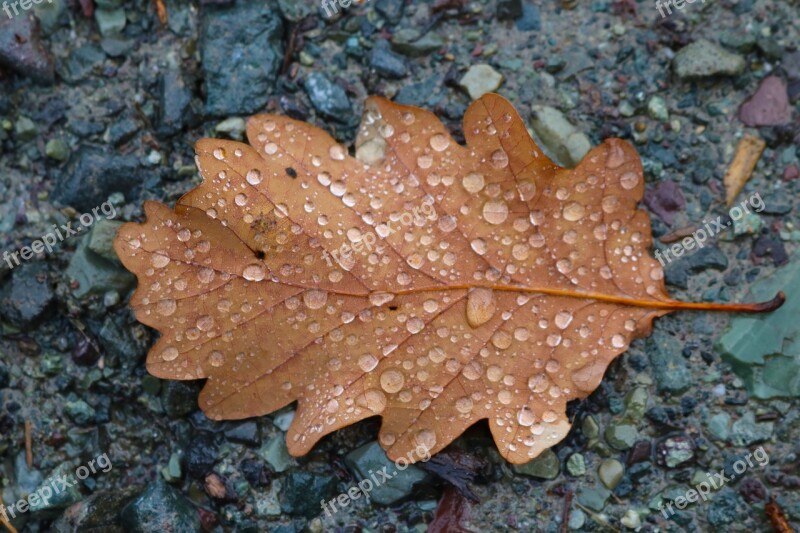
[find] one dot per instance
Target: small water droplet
(563, 319)
(525, 417)
(254, 272)
(337, 152)
(464, 405)
(440, 142)
(495, 211)
(216, 359)
(170, 354)
(253, 176)
(629, 180)
(473, 182)
(499, 159)
(426, 438)
(166, 307)
(481, 306)
(573, 211)
(392, 381)
(617, 341)
(315, 298)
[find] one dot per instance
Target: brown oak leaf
(426, 282)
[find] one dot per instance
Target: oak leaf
(426, 282)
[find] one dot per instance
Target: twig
(161, 9)
(4, 518)
(28, 443)
(565, 515)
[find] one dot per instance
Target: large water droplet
(481, 306)
(253, 177)
(473, 182)
(440, 142)
(392, 381)
(170, 354)
(166, 307)
(495, 211)
(315, 298)
(573, 211)
(426, 438)
(629, 180)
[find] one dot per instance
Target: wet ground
(100, 106)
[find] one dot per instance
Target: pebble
(610, 473)
(674, 451)
(25, 300)
(372, 458)
(657, 109)
(631, 519)
(241, 51)
(769, 105)
(110, 21)
(303, 491)
(276, 454)
(576, 465)
(57, 150)
(22, 50)
(563, 140)
(387, 63)
(233, 127)
(703, 59)
(328, 98)
(546, 466)
(160, 508)
(670, 369)
(747, 431)
(481, 79)
(621, 436)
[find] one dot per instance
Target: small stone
(160, 508)
(674, 451)
(595, 498)
(565, 143)
(621, 436)
(657, 109)
(21, 49)
(610, 473)
(101, 238)
(670, 370)
(576, 465)
(329, 99)
(577, 519)
(481, 79)
(769, 105)
(719, 426)
(590, 427)
(110, 21)
(410, 43)
(746, 431)
(57, 150)
(509, 9)
(80, 412)
(636, 404)
(233, 127)
(631, 519)
(283, 420)
(546, 466)
(303, 492)
(96, 275)
(387, 63)
(749, 224)
(703, 59)
(372, 458)
(28, 296)
(276, 454)
(24, 129)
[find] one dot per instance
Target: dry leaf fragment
(748, 152)
(437, 286)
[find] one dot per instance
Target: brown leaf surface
(483, 281)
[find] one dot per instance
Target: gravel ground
(101, 104)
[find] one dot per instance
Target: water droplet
(337, 152)
(629, 180)
(270, 148)
(430, 306)
(447, 223)
(481, 307)
(478, 246)
(538, 383)
(618, 341)
(501, 340)
(573, 211)
(564, 266)
(425, 161)
(367, 362)
(415, 325)
(504, 397)
(553, 340)
(216, 359)
(315, 298)
(392, 381)
(387, 439)
(499, 159)
(184, 235)
(426, 438)
(464, 405)
(616, 156)
(159, 260)
(563, 318)
(166, 307)
(206, 275)
(495, 211)
(610, 204)
(254, 272)
(205, 323)
(241, 199)
(552, 366)
(253, 177)
(375, 401)
(170, 354)
(440, 142)
(473, 182)
(525, 417)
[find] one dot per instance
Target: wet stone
(674, 451)
(202, 454)
(96, 275)
(276, 453)
(244, 433)
(303, 491)
(576, 465)
(179, 398)
(327, 98)
(241, 52)
(670, 369)
(98, 512)
(679, 271)
(160, 508)
(101, 238)
(595, 498)
(621, 436)
(372, 458)
(60, 500)
(22, 50)
(746, 431)
(703, 59)
(175, 103)
(391, 10)
(481, 79)
(26, 297)
(57, 150)
(509, 9)
(110, 21)
(726, 508)
(610, 472)
(719, 426)
(566, 144)
(410, 43)
(546, 466)
(80, 412)
(387, 63)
